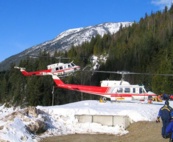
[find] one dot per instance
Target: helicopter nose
(77, 68)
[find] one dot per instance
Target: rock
(32, 111)
(37, 127)
(30, 115)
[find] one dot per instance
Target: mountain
(65, 40)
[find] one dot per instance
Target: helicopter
(114, 90)
(60, 69)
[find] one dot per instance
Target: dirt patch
(138, 132)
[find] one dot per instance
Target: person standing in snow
(165, 113)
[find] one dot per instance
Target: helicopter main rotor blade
(127, 72)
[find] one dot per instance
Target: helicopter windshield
(72, 64)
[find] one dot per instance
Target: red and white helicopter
(60, 69)
(115, 90)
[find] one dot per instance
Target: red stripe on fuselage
(130, 94)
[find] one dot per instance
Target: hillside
(65, 40)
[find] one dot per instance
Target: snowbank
(15, 124)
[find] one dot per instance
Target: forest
(144, 47)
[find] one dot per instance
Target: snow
(61, 119)
(96, 60)
(89, 31)
(77, 36)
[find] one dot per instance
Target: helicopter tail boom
(34, 73)
(23, 71)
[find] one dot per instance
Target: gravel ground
(138, 132)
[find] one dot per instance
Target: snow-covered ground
(60, 119)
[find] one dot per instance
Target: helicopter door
(134, 90)
(138, 93)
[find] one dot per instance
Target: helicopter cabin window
(69, 65)
(61, 68)
(127, 90)
(57, 68)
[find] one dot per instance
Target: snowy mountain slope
(66, 39)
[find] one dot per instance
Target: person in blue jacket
(169, 128)
(165, 115)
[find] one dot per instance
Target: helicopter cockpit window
(140, 90)
(127, 90)
(72, 64)
(120, 90)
